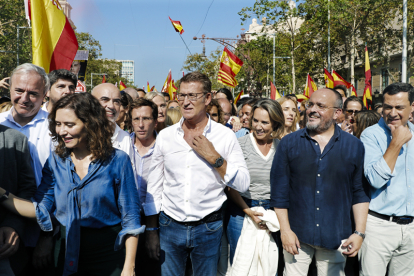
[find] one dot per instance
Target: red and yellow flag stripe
(177, 26)
(54, 42)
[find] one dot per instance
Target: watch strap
(362, 235)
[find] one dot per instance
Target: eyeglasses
(318, 106)
(191, 96)
(350, 111)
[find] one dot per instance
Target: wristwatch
(4, 196)
(219, 162)
(360, 234)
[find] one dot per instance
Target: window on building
(384, 77)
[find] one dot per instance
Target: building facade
(128, 70)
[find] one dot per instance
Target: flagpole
(185, 44)
(329, 37)
(404, 52)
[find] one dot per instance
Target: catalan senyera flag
(148, 87)
(54, 43)
(329, 80)
(104, 79)
(368, 86)
(354, 93)
(238, 97)
(122, 86)
(177, 26)
(338, 80)
(310, 87)
(274, 94)
(230, 65)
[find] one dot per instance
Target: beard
(323, 125)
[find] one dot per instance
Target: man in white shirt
(144, 115)
(62, 83)
(28, 87)
(110, 98)
(192, 164)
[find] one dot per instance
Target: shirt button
(319, 175)
(320, 159)
(317, 225)
(317, 209)
(317, 192)
(316, 143)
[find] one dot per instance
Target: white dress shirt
(44, 107)
(37, 132)
(142, 168)
(122, 141)
(184, 185)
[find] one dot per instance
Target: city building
(128, 70)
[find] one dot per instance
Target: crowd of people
(135, 183)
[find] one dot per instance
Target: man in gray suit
(18, 178)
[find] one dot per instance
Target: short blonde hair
(297, 115)
(6, 106)
(151, 95)
(173, 116)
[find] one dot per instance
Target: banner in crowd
(78, 68)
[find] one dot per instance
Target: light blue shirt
(37, 133)
(242, 132)
(392, 193)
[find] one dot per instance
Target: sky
(140, 30)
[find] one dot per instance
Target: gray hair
(29, 67)
(151, 95)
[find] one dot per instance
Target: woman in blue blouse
(89, 187)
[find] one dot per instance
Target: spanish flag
(338, 80)
(354, 93)
(104, 79)
(368, 86)
(122, 86)
(148, 87)
(168, 86)
(310, 87)
(329, 80)
(238, 97)
(274, 94)
(54, 43)
(230, 65)
(152, 88)
(177, 26)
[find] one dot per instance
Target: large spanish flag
(338, 80)
(177, 26)
(310, 87)
(54, 43)
(230, 65)
(329, 80)
(368, 86)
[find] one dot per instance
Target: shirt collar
(41, 115)
(206, 128)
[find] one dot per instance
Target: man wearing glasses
(352, 106)
(316, 181)
(192, 163)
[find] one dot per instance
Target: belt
(215, 216)
(398, 220)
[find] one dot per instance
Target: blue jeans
(201, 243)
(235, 225)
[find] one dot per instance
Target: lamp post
(17, 44)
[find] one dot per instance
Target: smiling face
(245, 115)
(27, 94)
(143, 123)
(71, 129)
(109, 97)
(396, 109)
(322, 114)
(261, 125)
(289, 110)
(162, 108)
(351, 109)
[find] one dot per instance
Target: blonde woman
(159, 100)
(291, 113)
(173, 116)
